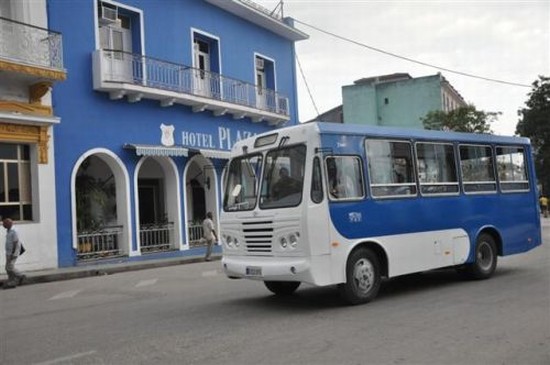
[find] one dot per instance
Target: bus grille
(258, 236)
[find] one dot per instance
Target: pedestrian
(544, 205)
(13, 250)
(209, 234)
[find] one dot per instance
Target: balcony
(139, 77)
(30, 53)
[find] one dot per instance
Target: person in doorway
(209, 234)
(544, 205)
(13, 249)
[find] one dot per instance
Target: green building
(396, 100)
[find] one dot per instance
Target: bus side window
(436, 168)
(391, 168)
(345, 177)
(316, 182)
(512, 172)
(478, 173)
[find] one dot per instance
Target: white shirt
(12, 239)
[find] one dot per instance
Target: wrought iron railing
(194, 237)
(31, 45)
(99, 243)
(156, 237)
(141, 70)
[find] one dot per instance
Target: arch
(171, 197)
(122, 191)
(208, 179)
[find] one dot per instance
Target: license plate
(253, 271)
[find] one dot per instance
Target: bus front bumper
(269, 268)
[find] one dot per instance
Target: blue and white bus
(334, 204)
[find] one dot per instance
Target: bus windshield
(283, 179)
(242, 183)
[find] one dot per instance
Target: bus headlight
(236, 242)
(228, 240)
(283, 242)
(293, 239)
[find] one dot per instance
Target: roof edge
(254, 14)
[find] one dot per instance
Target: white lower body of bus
(280, 249)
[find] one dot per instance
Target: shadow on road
(307, 298)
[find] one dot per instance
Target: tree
(463, 119)
(535, 123)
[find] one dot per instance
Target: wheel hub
(485, 256)
(363, 275)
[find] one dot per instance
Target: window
(283, 177)
(206, 81)
(345, 178)
(242, 183)
(478, 173)
(391, 168)
(512, 173)
(316, 182)
(265, 83)
(436, 168)
(15, 182)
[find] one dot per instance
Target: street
(193, 314)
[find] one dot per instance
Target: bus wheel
(282, 287)
(362, 277)
(485, 260)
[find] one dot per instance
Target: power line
(307, 86)
(410, 59)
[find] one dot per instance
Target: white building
(31, 62)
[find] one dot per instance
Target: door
(261, 100)
(148, 203)
(202, 67)
(118, 38)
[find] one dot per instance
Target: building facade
(396, 100)
(31, 64)
(157, 94)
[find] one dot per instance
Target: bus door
(318, 221)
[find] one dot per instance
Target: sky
(497, 39)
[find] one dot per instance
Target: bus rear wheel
(282, 288)
(362, 277)
(485, 261)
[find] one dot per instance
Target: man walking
(544, 205)
(209, 234)
(13, 248)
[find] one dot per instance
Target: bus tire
(282, 288)
(486, 257)
(362, 277)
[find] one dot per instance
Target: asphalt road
(192, 314)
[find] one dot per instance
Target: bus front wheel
(485, 261)
(362, 277)
(282, 287)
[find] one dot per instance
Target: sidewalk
(113, 266)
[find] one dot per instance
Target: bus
(349, 205)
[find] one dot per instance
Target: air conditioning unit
(109, 15)
(259, 63)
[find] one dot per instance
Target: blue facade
(152, 118)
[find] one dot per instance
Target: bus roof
(384, 132)
(377, 131)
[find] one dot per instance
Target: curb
(90, 271)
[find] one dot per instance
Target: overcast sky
(500, 39)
